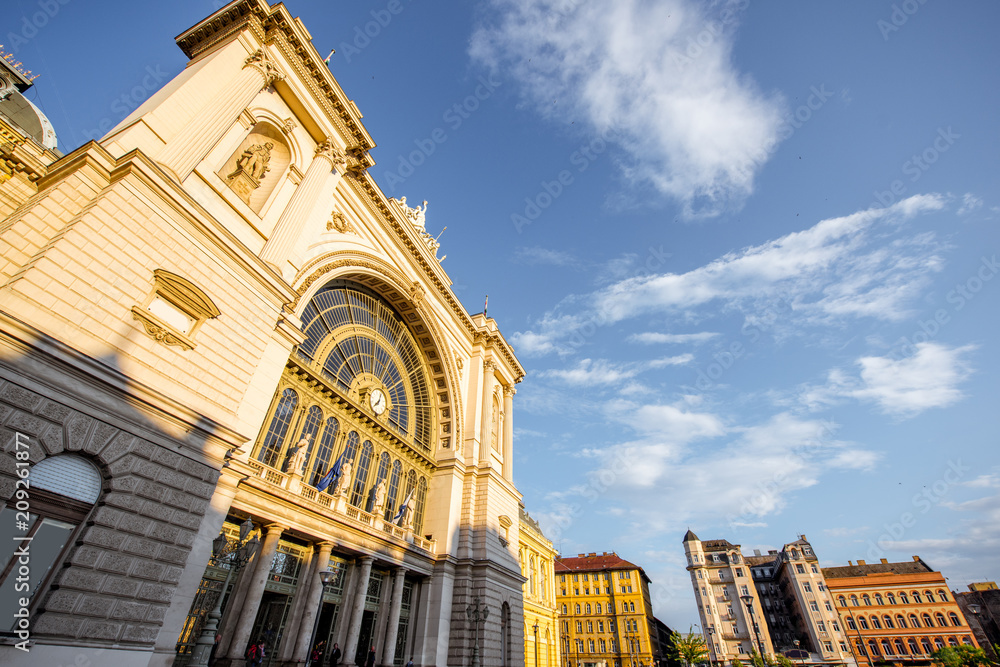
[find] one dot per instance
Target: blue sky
(746, 251)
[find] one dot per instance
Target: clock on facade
(377, 400)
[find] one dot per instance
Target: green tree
(689, 648)
(737, 662)
(757, 661)
(960, 656)
(782, 661)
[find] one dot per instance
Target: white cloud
(839, 268)
(970, 203)
(900, 387)
(652, 337)
(595, 372)
(658, 75)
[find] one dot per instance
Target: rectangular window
(623, 589)
(590, 627)
(815, 569)
(828, 646)
(835, 625)
(813, 606)
(829, 607)
(590, 644)
(821, 625)
(699, 575)
(807, 587)
(576, 591)
(740, 649)
(600, 626)
(603, 647)
(562, 577)
(576, 577)
(843, 647)
(800, 568)
(739, 572)
(579, 627)
(745, 590)
(586, 591)
(585, 577)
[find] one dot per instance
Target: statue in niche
(378, 507)
(254, 160)
(411, 505)
(344, 481)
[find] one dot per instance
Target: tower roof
(690, 537)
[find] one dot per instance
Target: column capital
(329, 150)
(489, 366)
(366, 559)
(260, 61)
(275, 528)
(509, 391)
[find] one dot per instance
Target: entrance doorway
(269, 623)
(366, 638)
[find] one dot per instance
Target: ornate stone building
(203, 315)
(606, 612)
(896, 612)
(541, 628)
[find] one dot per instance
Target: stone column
(255, 588)
(508, 433)
(392, 629)
(295, 617)
(357, 610)
(320, 178)
(486, 426)
(194, 141)
(314, 602)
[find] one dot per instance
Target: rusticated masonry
(115, 579)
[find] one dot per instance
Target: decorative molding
(289, 125)
(358, 161)
(260, 61)
(159, 330)
(185, 294)
(331, 152)
(416, 293)
(339, 222)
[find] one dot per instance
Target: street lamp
(748, 601)
(535, 626)
(801, 659)
(477, 614)
(238, 553)
(325, 578)
(711, 645)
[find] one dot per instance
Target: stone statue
(254, 160)
(344, 481)
(411, 504)
(378, 507)
(297, 456)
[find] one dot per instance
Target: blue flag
(402, 508)
(331, 476)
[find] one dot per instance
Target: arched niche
(257, 165)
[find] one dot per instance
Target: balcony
(291, 487)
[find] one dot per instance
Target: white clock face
(377, 401)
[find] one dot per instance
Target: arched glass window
(380, 475)
(900, 649)
(875, 623)
(900, 621)
(564, 609)
(940, 620)
(578, 611)
(393, 494)
(926, 643)
(914, 649)
(854, 600)
(886, 647)
(938, 642)
(878, 599)
(366, 342)
(270, 448)
(631, 607)
(308, 434)
(850, 623)
(361, 473)
(873, 647)
(891, 598)
(862, 622)
(597, 609)
(588, 607)
(916, 597)
(418, 511)
(928, 623)
(327, 442)
(842, 601)
(351, 448)
(505, 647)
(952, 641)
(954, 619)
(967, 640)
(531, 576)
(63, 491)
(928, 596)
(887, 620)
(943, 596)
(903, 599)
(914, 623)
(867, 600)
(624, 607)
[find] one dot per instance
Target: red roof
(595, 563)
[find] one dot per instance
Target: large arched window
(361, 473)
(380, 476)
(393, 494)
(360, 344)
(875, 623)
(842, 601)
(308, 434)
(943, 596)
(327, 442)
(926, 618)
(940, 619)
(954, 619)
(418, 512)
(270, 449)
(862, 622)
(64, 489)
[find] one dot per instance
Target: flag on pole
(331, 475)
(327, 59)
(402, 508)
(486, 306)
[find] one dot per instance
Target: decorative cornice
(159, 331)
(331, 152)
(260, 61)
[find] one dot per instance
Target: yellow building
(541, 630)
(606, 619)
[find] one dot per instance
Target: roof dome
(29, 118)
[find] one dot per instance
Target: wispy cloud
(847, 267)
(652, 337)
(930, 378)
(535, 255)
(970, 203)
(595, 372)
(660, 75)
